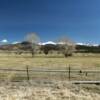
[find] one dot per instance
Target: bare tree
(66, 46)
(33, 39)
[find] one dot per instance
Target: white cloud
(4, 41)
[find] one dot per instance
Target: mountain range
(54, 43)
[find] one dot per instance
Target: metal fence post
(69, 73)
(27, 70)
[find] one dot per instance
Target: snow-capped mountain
(49, 42)
(85, 44)
(88, 44)
(15, 42)
(54, 43)
(79, 43)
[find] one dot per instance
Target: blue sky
(51, 19)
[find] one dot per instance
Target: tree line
(87, 49)
(64, 45)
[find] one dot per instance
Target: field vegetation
(84, 61)
(48, 86)
(48, 90)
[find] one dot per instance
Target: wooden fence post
(69, 73)
(27, 70)
(86, 74)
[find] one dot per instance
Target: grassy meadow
(50, 61)
(40, 89)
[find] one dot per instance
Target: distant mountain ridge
(87, 44)
(21, 45)
(54, 43)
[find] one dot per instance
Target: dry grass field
(49, 61)
(48, 89)
(76, 62)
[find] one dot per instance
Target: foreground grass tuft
(45, 91)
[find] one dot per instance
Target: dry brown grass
(47, 90)
(51, 91)
(20, 61)
(49, 62)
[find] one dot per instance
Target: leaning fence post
(27, 70)
(69, 73)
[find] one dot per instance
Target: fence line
(51, 70)
(67, 70)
